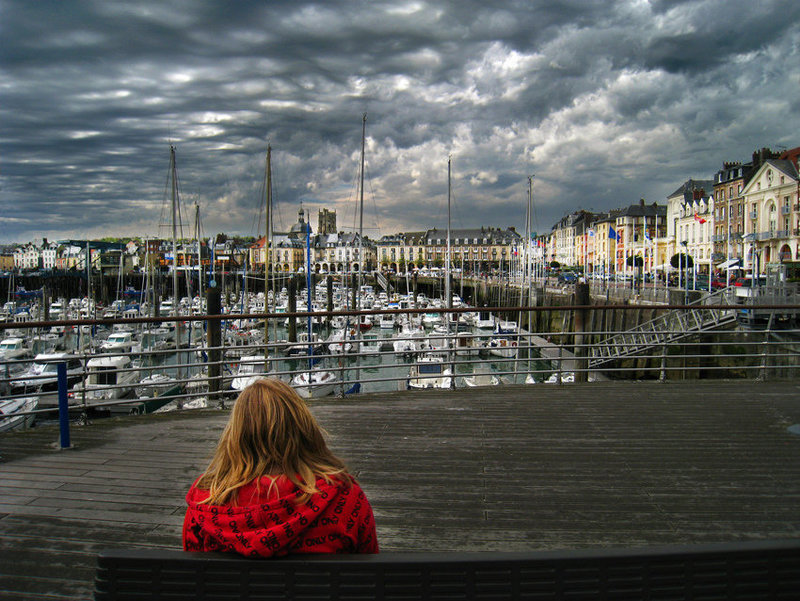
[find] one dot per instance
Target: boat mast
(174, 177)
(448, 296)
(199, 256)
(361, 261)
(361, 212)
(267, 232)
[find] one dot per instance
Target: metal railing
(709, 339)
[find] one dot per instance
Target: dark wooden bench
(724, 572)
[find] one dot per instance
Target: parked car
(748, 281)
(567, 278)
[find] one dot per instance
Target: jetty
(509, 468)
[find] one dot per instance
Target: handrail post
(762, 376)
(63, 405)
(663, 375)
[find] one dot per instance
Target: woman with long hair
(274, 488)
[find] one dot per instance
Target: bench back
(724, 572)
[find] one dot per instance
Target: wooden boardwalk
(505, 468)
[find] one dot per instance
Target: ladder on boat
(670, 327)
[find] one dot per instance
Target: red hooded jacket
(338, 519)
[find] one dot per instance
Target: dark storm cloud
(604, 101)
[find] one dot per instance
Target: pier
(511, 468)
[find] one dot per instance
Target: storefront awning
(730, 264)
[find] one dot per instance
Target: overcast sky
(604, 102)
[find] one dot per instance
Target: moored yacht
(429, 372)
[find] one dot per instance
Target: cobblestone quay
(505, 468)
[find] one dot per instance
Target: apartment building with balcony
(772, 213)
(729, 208)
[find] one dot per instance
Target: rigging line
(178, 201)
(354, 196)
(374, 204)
(533, 206)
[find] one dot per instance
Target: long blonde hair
(271, 432)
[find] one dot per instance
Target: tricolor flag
(699, 219)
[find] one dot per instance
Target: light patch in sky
(604, 103)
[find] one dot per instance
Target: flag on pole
(698, 219)
(590, 231)
(613, 235)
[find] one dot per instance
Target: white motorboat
(429, 372)
(502, 347)
(108, 378)
(485, 320)
(405, 346)
(386, 321)
(506, 327)
(481, 377)
(369, 344)
(315, 383)
(251, 368)
(431, 319)
(41, 378)
(154, 385)
(11, 410)
(339, 342)
(467, 344)
(118, 342)
(306, 342)
(13, 348)
(567, 377)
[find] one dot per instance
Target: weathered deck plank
(508, 468)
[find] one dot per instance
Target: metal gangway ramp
(668, 328)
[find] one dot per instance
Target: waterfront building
(638, 226)
(729, 209)
(478, 249)
(604, 243)
(690, 222)
(6, 258)
(49, 252)
(28, 256)
(772, 220)
(563, 237)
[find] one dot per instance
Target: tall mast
(448, 296)
(199, 253)
(174, 172)
(174, 177)
(361, 212)
(361, 244)
(267, 262)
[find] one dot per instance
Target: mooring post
(582, 298)
(63, 405)
(214, 341)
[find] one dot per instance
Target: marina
(142, 363)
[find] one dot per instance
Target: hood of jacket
(267, 521)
